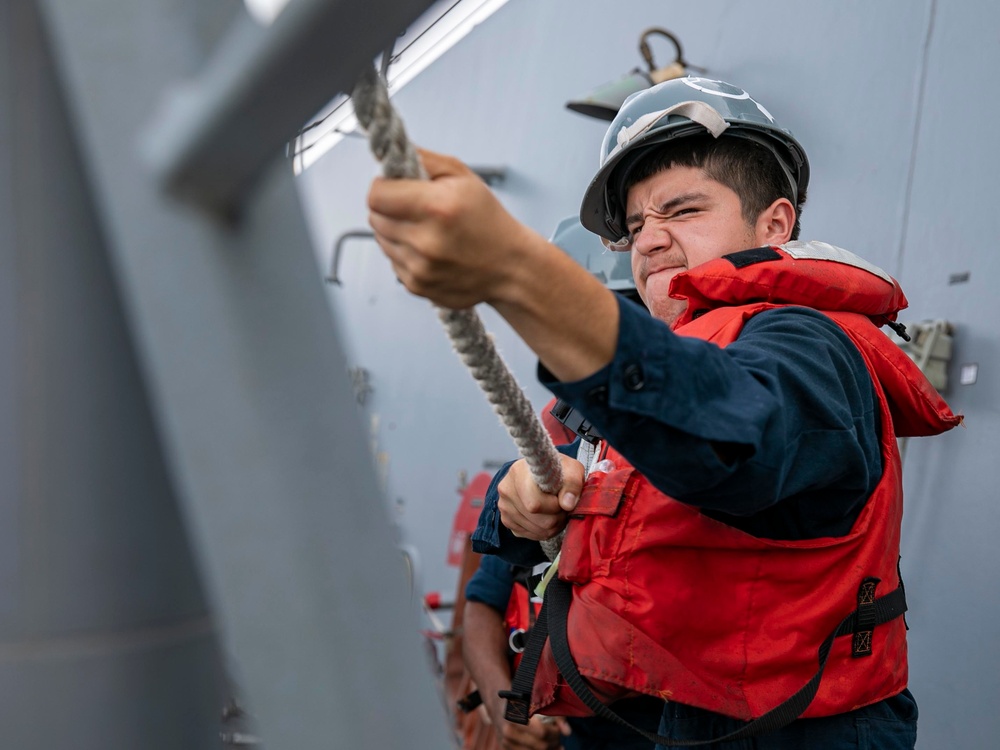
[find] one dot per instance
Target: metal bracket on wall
(930, 348)
(333, 276)
(492, 176)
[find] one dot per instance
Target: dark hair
(745, 167)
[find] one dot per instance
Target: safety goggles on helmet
(680, 108)
(614, 271)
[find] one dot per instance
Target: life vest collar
(814, 274)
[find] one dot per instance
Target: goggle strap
(700, 112)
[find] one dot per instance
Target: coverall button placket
(633, 377)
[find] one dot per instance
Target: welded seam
(917, 121)
(101, 644)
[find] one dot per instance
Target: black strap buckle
(575, 421)
(866, 619)
(517, 706)
(471, 702)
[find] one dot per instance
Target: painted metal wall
(895, 103)
(106, 639)
(180, 470)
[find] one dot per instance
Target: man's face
(679, 219)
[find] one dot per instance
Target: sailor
(737, 556)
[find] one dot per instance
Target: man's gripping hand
(532, 514)
(448, 238)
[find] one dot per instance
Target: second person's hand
(530, 513)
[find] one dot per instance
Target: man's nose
(653, 237)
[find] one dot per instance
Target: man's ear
(775, 223)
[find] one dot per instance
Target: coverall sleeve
(491, 584)
(785, 414)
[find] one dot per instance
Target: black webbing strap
(519, 695)
(554, 613)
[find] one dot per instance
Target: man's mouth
(664, 269)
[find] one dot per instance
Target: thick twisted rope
(391, 147)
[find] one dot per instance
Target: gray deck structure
(187, 495)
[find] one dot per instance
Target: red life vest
(670, 603)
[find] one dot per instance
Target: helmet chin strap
(696, 111)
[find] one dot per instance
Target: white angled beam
(212, 135)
